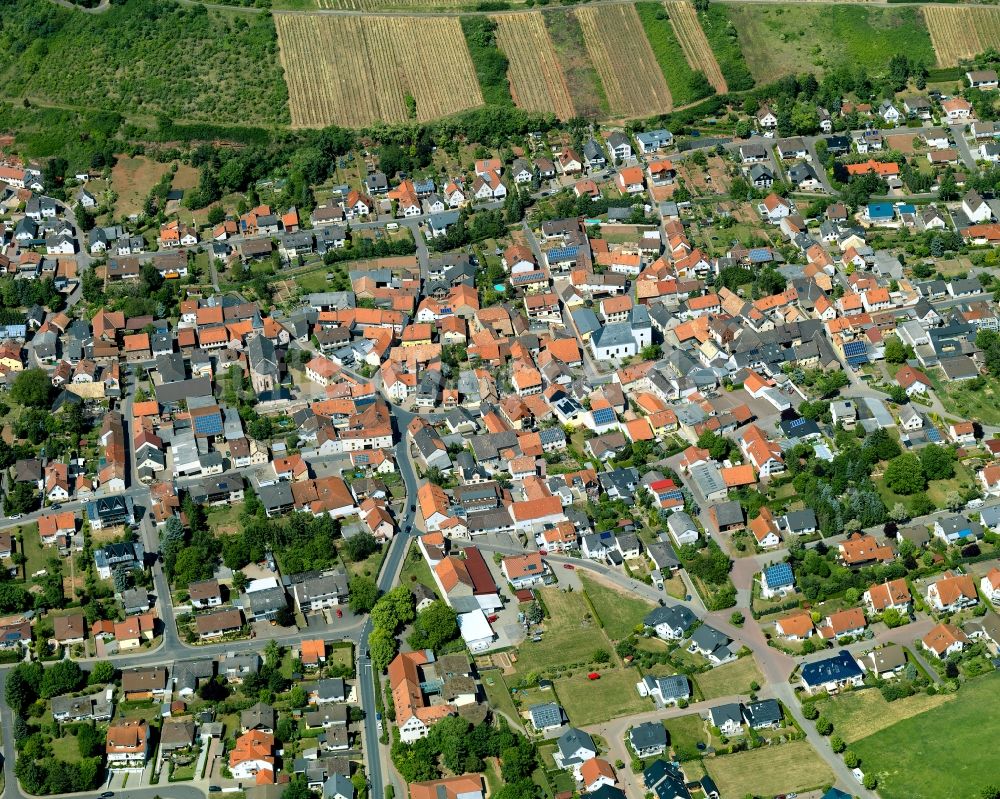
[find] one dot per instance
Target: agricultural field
(359, 70)
(961, 32)
(622, 55)
(822, 37)
(951, 734)
(694, 43)
(582, 81)
(858, 714)
(146, 57)
(386, 5)
(782, 768)
(537, 82)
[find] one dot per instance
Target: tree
(382, 647)
(32, 388)
(63, 677)
(240, 581)
(102, 673)
(837, 744)
(298, 698)
(122, 579)
(938, 462)
(216, 214)
(717, 446)
(851, 759)
(904, 474)
(394, 609)
(362, 594)
(19, 693)
(810, 711)
(361, 546)
(899, 513)
(895, 352)
(882, 445)
(824, 726)
(436, 625)
(870, 781)
(534, 613)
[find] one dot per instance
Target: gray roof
(731, 711)
(647, 735)
(275, 495)
(709, 639)
(728, 512)
(614, 335)
(678, 617)
(763, 713)
(572, 740)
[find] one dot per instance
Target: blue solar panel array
(852, 348)
(562, 253)
(604, 416)
(208, 425)
(934, 435)
(779, 575)
(793, 423)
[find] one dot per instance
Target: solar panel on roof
(852, 348)
(604, 416)
(209, 425)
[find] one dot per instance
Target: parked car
(568, 566)
(593, 676)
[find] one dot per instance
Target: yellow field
(382, 5)
(961, 32)
(694, 44)
(620, 51)
(858, 714)
(537, 82)
(355, 71)
(772, 770)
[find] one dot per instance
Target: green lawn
(937, 490)
(416, 570)
(771, 770)
(498, 693)
(66, 748)
(619, 612)
(964, 399)
(34, 552)
(592, 701)
(730, 678)
(570, 638)
(225, 519)
(686, 732)
(821, 36)
(945, 752)
(314, 281)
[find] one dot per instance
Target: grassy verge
(582, 80)
(722, 37)
(686, 85)
(490, 63)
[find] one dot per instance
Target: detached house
(952, 592)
